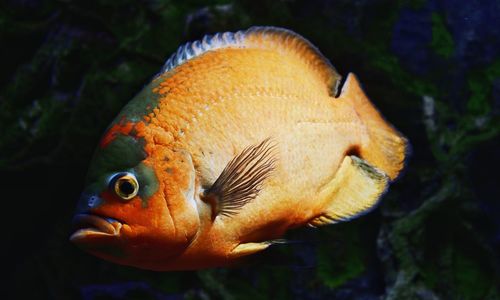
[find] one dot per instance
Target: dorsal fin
(207, 43)
(271, 38)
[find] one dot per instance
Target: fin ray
(354, 191)
(242, 179)
(252, 247)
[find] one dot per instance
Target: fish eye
(125, 185)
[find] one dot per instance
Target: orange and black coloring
(239, 138)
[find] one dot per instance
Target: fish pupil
(127, 188)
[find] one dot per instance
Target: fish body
(241, 137)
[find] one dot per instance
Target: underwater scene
(236, 149)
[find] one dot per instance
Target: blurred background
(432, 68)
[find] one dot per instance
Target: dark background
(432, 67)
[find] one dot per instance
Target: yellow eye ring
(125, 185)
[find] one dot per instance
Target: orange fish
(241, 137)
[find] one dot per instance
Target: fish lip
(91, 225)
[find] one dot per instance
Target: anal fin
(355, 190)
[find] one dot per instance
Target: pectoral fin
(242, 179)
(355, 190)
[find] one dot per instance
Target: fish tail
(385, 148)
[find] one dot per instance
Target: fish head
(124, 214)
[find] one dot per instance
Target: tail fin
(386, 148)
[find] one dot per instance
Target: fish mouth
(93, 226)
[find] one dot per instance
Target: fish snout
(87, 225)
(90, 226)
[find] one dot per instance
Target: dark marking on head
(123, 153)
(148, 182)
(141, 105)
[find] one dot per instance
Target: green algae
(480, 84)
(442, 40)
(341, 264)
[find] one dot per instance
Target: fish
(239, 138)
